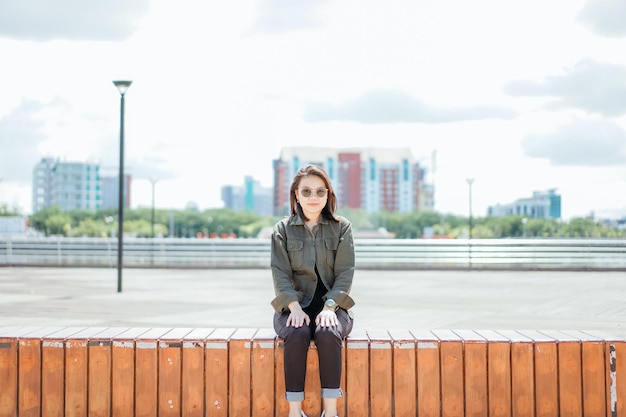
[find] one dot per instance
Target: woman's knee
(297, 335)
(327, 336)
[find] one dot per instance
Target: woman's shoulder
(343, 220)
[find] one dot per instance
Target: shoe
(323, 414)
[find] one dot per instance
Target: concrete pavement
(237, 298)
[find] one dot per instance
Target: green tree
(58, 225)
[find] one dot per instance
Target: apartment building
(371, 179)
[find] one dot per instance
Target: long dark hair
(328, 212)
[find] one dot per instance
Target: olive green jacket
(296, 251)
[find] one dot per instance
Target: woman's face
(312, 195)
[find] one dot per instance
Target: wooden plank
(123, 372)
(452, 389)
(614, 365)
(476, 365)
(76, 369)
(498, 373)
(8, 372)
(594, 374)
(216, 377)
(381, 373)
(428, 373)
(192, 402)
(146, 372)
(52, 377)
(546, 374)
(263, 366)
(282, 406)
(312, 404)
(29, 371)
(99, 372)
(522, 374)
(170, 372)
(357, 374)
(239, 376)
(404, 373)
(570, 373)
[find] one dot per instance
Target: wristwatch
(331, 304)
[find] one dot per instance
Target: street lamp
(153, 181)
(469, 183)
(122, 87)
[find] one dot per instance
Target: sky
(518, 96)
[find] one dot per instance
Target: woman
(312, 268)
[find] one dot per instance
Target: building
(371, 179)
(252, 196)
(74, 186)
(42, 184)
(542, 205)
(111, 194)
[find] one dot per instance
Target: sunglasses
(320, 192)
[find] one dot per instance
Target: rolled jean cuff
(294, 396)
(332, 393)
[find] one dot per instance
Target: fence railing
(539, 254)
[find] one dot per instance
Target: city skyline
(519, 97)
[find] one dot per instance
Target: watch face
(330, 304)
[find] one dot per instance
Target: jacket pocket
(331, 244)
(295, 252)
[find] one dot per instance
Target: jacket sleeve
(281, 271)
(344, 268)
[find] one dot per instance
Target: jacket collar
(299, 221)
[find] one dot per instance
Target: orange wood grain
(240, 350)
(146, 372)
(8, 371)
(170, 347)
(546, 374)
(522, 374)
(263, 366)
(192, 372)
(404, 373)
(123, 372)
(381, 374)
(100, 383)
(476, 366)
(428, 373)
(216, 380)
(357, 374)
(282, 407)
(452, 387)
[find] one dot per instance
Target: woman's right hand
(297, 317)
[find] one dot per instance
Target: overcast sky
(520, 96)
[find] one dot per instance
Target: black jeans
(328, 341)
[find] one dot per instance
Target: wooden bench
(187, 372)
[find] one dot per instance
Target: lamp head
(122, 86)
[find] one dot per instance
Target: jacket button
(312, 243)
(311, 262)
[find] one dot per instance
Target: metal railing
(532, 254)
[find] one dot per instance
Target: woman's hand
(297, 317)
(326, 318)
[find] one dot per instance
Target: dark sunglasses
(320, 192)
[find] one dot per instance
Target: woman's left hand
(326, 318)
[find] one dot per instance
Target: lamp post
(469, 183)
(153, 181)
(122, 87)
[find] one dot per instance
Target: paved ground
(385, 299)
